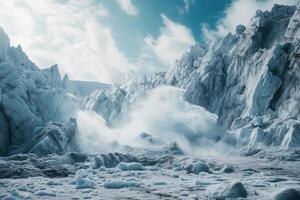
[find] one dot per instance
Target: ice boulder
(197, 167)
(288, 194)
(82, 180)
(118, 184)
(133, 166)
(233, 191)
(227, 169)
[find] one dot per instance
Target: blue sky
(104, 40)
(129, 30)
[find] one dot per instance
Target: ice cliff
(249, 78)
(33, 105)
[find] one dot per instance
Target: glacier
(249, 79)
(223, 122)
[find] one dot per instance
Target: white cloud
(69, 34)
(128, 7)
(240, 12)
(173, 41)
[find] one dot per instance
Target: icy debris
(53, 182)
(153, 168)
(102, 169)
(130, 166)
(150, 140)
(23, 188)
(113, 170)
(184, 193)
(197, 167)
(118, 184)
(200, 182)
(83, 180)
(45, 193)
(250, 151)
(112, 160)
(160, 183)
(174, 149)
(16, 193)
(235, 190)
(178, 168)
(227, 169)
(10, 197)
(288, 194)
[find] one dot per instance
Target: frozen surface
(261, 176)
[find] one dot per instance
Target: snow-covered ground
(167, 175)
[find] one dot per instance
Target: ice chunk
(45, 193)
(160, 183)
(130, 166)
(16, 193)
(118, 184)
(53, 182)
(235, 190)
(83, 180)
(288, 194)
(197, 167)
(227, 169)
(10, 197)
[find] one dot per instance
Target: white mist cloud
(128, 7)
(163, 113)
(240, 12)
(68, 33)
(173, 41)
